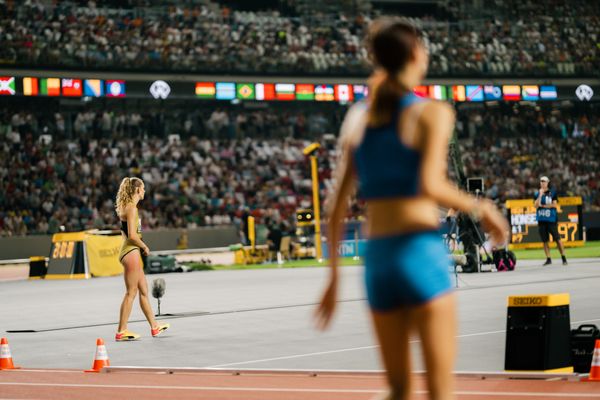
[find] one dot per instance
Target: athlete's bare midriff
(388, 217)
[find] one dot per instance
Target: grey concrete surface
(263, 318)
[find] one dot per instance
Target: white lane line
(524, 394)
(333, 351)
(198, 388)
(299, 390)
(363, 348)
(295, 356)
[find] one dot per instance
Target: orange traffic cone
(595, 369)
(101, 359)
(6, 361)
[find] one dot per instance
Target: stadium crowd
(213, 179)
(558, 37)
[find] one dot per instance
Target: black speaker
(538, 334)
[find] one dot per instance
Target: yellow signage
(539, 300)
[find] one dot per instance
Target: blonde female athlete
(395, 149)
(131, 191)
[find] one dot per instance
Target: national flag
(50, 86)
(305, 91)
(115, 88)
(459, 93)
(93, 88)
(420, 91)
(573, 217)
(245, 91)
(324, 93)
(72, 87)
(265, 91)
(548, 93)
(206, 90)
(511, 92)
(343, 93)
(474, 93)
(530, 92)
(360, 91)
(225, 90)
(285, 91)
(7, 85)
(437, 92)
(492, 92)
(30, 86)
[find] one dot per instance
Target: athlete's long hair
(126, 191)
(391, 42)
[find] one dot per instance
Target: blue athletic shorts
(407, 269)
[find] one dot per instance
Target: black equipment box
(582, 347)
(538, 334)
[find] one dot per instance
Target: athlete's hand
(494, 223)
(324, 312)
(145, 250)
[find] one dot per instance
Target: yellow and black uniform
(128, 245)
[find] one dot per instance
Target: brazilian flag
(245, 91)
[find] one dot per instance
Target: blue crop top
(384, 165)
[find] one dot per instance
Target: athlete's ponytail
(391, 43)
(126, 192)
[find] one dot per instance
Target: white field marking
(298, 390)
(362, 348)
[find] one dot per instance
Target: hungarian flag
(305, 91)
(7, 85)
(343, 93)
(245, 91)
(206, 90)
(285, 91)
(511, 92)
(30, 86)
(72, 87)
(265, 91)
(324, 93)
(50, 87)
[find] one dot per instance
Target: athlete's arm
(337, 206)
(132, 229)
(436, 123)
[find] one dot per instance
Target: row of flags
(278, 91)
(64, 87)
(488, 92)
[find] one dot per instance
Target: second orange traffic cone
(101, 359)
(595, 368)
(6, 361)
